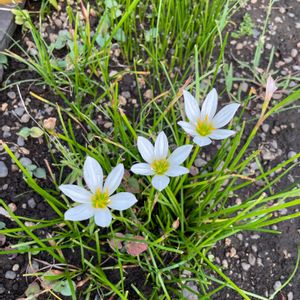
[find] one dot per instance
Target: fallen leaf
(136, 248)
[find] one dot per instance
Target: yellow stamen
(100, 199)
(204, 127)
(160, 166)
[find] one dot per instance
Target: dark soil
(275, 255)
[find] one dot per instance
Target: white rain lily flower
(96, 201)
(158, 161)
(205, 125)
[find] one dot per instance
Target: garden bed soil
(261, 261)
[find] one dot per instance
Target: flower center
(204, 127)
(160, 166)
(100, 199)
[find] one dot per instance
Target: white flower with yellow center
(158, 161)
(205, 125)
(97, 201)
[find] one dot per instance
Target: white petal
(122, 201)
(146, 149)
(114, 179)
(180, 154)
(93, 174)
(209, 106)
(188, 128)
(177, 171)
(202, 140)
(76, 193)
(160, 182)
(161, 147)
(79, 212)
(142, 169)
(191, 107)
(225, 115)
(103, 217)
(221, 134)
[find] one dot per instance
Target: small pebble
(251, 259)
(290, 296)
(11, 95)
(31, 203)
(10, 275)
(20, 141)
(2, 288)
(265, 127)
(292, 154)
(199, 162)
(294, 53)
(3, 170)
(245, 266)
(15, 267)
(277, 285)
(25, 118)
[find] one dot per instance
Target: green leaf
(150, 34)
(24, 132)
(64, 288)
(32, 290)
(36, 132)
(40, 173)
(120, 35)
(3, 59)
(54, 4)
(30, 167)
(2, 225)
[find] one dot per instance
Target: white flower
(97, 201)
(158, 161)
(205, 125)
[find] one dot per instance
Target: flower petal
(225, 115)
(103, 217)
(79, 212)
(180, 154)
(76, 193)
(189, 128)
(161, 147)
(114, 179)
(122, 201)
(142, 169)
(191, 107)
(221, 134)
(210, 104)
(92, 174)
(177, 171)
(202, 140)
(160, 182)
(146, 149)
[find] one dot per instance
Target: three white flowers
(96, 202)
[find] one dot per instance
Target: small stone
(265, 127)
(290, 296)
(245, 266)
(194, 171)
(20, 141)
(10, 275)
(2, 288)
(19, 111)
(225, 263)
(25, 118)
(11, 95)
(126, 94)
(25, 161)
(108, 125)
(244, 87)
(251, 259)
(277, 285)
(239, 46)
(291, 154)
(31, 203)
(112, 73)
(294, 53)
(3, 170)
(199, 162)
(15, 267)
(148, 94)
